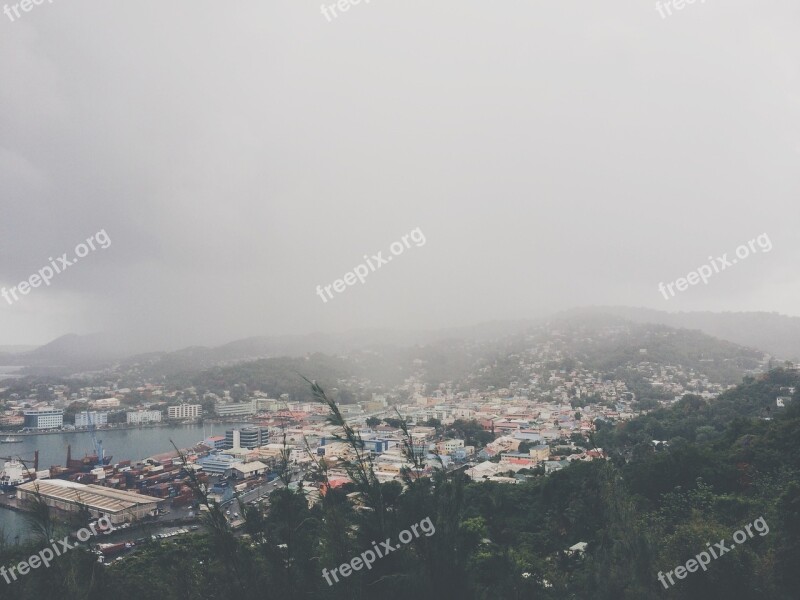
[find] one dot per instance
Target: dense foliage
(650, 508)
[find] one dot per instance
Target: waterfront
(125, 444)
(12, 525)
(122, 444)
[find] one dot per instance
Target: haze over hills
(775, 334)
(16, 349)
(74, 351)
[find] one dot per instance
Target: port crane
(97, 445)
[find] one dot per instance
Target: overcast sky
(553, 153)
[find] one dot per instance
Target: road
(234, 505)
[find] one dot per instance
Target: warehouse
(118, 505)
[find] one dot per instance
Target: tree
(577, 402)
(578, 439)
(118, 417)
(647, 404)
(471, 432)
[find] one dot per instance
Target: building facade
(140, 417)
(248, 437)
(241, 409)
(217, 464)
(104, 403)
(448, 447)
(85, 419)
(540, 452)
(185, 411)
(119, 506)
(44, 418)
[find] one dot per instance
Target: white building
(185, 411)
(84, 419)
(248, 470)
(44, 418)
(104, 403)
(448, 447)
(140, 417)
(267, 404)
(235, 410)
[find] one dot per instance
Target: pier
(11, 503)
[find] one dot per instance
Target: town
(527, 429)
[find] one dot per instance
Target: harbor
(128, 444)
(124, 444)
(148, 491)
(118, 427)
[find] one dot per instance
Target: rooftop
(94, 496)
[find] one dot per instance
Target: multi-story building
(44, 418)
(141, 417)
(248, 437)
(104, 403)
(185, 411)
(441, 413)
(84, 419)
(217, 442)
(448, 447)
(540, 453)
(267, 404)
(241, 409)
(374, 445)
(217, 464)
(421, 448)
(350, 409)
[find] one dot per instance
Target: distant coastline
(17, 433)
(5, 431)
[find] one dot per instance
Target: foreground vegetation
(650, 508)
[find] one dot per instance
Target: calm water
(131, 444)
(12, 525)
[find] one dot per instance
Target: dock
(11, 503)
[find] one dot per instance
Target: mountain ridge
(778, 335)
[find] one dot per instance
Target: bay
(128, 444)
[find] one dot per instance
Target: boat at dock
(14, 473)
(10, 440)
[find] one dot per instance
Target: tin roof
(93, 496)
